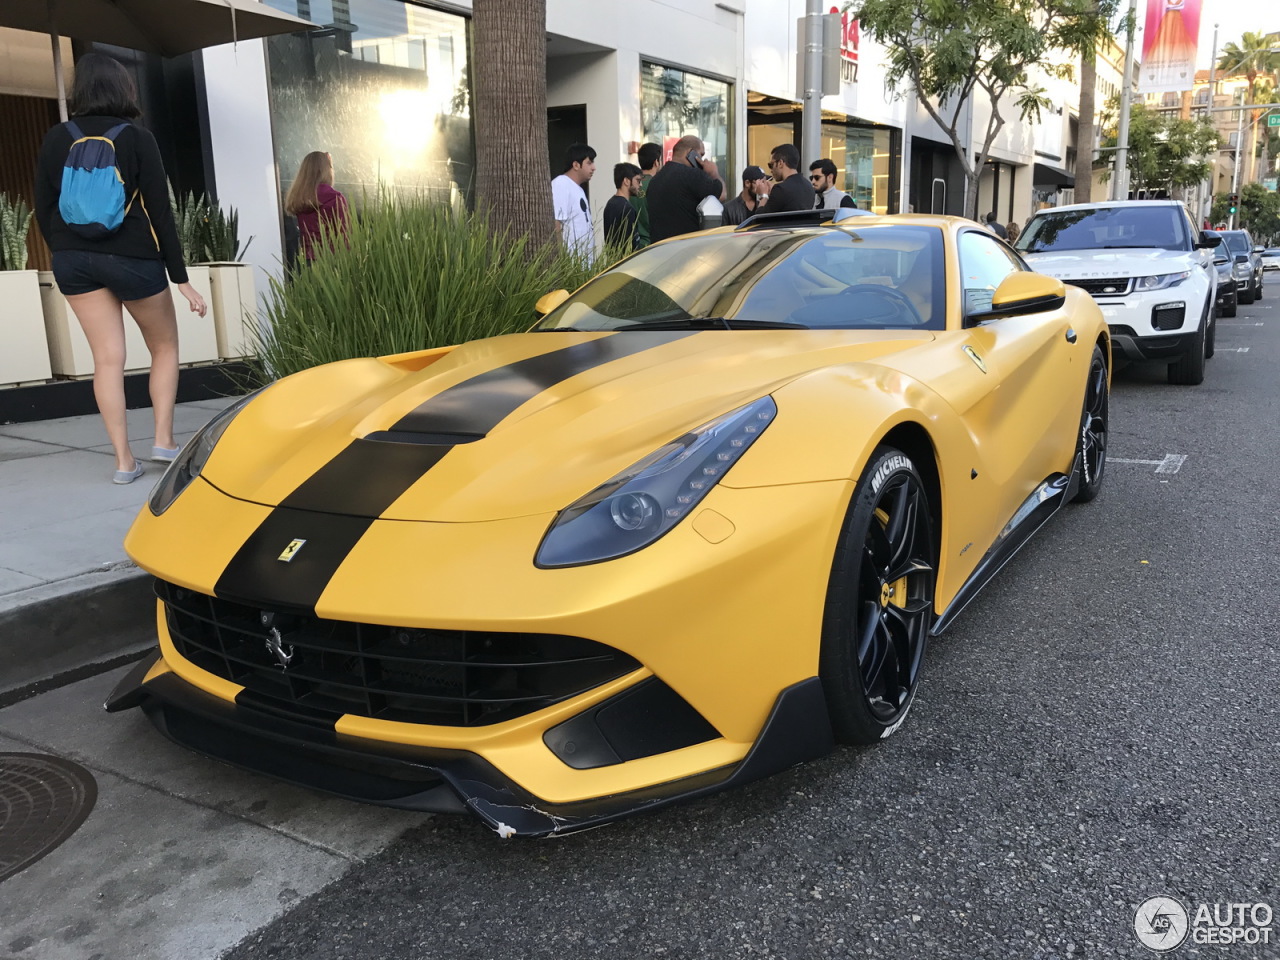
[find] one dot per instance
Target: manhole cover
(43, 800)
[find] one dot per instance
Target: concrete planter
(234, 306)
(25, 356)
(69, 352)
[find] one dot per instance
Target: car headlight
(187, 465)
(1162, 281)
(1242, 270)
(640, 504)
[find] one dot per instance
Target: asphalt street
(1098, 728)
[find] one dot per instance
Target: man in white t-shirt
(573, 215)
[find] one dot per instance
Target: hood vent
(432, 439)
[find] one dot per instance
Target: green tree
(1166, 152)
(1259, 211)
(949, 51)
(1257, 58)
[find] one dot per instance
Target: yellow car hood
(543, 418)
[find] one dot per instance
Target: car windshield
(1106, 228)
(1237, 243)
(874, 277)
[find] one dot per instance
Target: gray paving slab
(16, 448)
(76, 545)
(65, 486)
(71, 723)
(151, 876)
(11, 580)
(81, 431)
(182, 857)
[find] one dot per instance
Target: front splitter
(439, 780)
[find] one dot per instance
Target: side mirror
(1209, 240)
(1258, 249)
(549, 301)
(1023, 293)
(1242, 258)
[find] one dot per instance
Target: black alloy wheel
(879, 601)
(1091, 445)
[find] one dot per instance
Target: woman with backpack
(102, 203)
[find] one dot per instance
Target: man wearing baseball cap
(755, 191)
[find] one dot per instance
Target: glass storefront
(383, 88)
(675, 103)
(866, 156)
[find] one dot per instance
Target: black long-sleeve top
(148, 230)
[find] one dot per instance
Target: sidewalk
(68, 594)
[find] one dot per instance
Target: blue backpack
(93, 202)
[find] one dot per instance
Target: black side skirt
(445, 781)
(1035, 511)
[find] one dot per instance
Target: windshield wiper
(713, 323)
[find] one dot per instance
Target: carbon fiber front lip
(445, 781)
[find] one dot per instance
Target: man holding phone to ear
(676, 190)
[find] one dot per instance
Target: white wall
(244, 166)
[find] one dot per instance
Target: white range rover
(1149, 268)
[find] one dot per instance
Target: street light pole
(1235, 177)
(1206, 206)
(1120, 182)
(811, 120)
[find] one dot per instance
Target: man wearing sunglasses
(822, 174)
(791, 192)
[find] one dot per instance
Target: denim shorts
(129, 278)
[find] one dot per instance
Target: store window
(861, 155)
(383, 87)
(676, 103)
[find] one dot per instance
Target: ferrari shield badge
(291, 551)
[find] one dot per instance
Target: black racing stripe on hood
(481, 403)
(333, 508)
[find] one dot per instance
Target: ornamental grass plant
(409, 274)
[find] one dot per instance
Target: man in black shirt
(619, 215)
(677, 189)
(755, 191)
(793, 191)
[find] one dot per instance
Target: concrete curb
(60, 626)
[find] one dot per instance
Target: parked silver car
(1247, 264)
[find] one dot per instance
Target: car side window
(1193, 231)
(984, 262)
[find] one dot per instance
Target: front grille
(1115, 287)
(457, 678)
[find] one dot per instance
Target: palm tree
(510, 86)
(1256, 55)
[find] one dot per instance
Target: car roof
(1111, 203)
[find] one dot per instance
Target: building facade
(383, 86)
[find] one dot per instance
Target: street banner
(1169, 46)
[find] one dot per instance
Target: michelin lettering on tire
(896, 462)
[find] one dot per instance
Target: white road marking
(1226, 323)
(1233, 350)
(1171, 463)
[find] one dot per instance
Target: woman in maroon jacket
(320, 209)
(99, 275)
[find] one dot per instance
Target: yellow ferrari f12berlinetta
(695, 526)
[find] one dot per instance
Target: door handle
(1071, 335)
